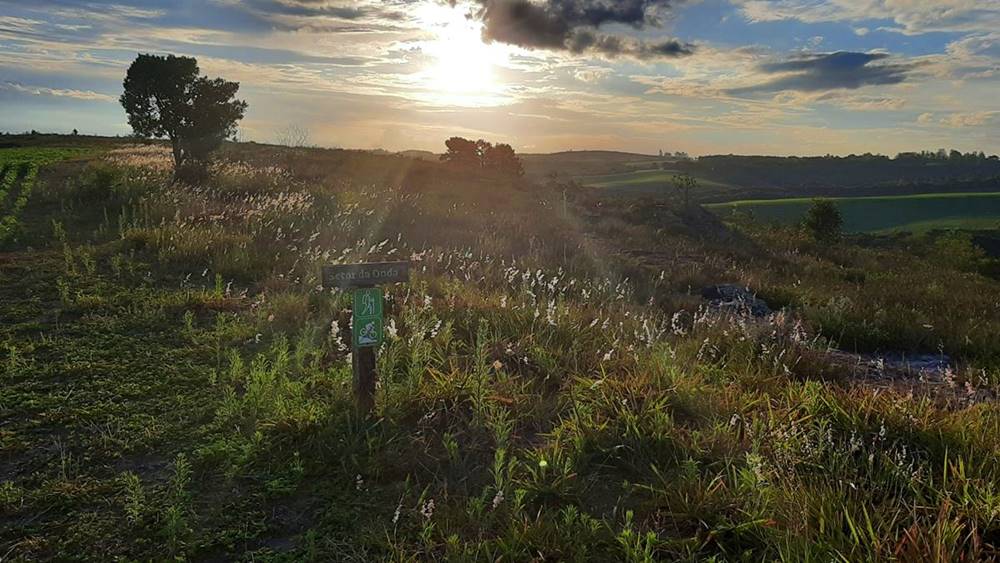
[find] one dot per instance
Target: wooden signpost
(366, 317)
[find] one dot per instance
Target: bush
(823, 221)
(956, 250)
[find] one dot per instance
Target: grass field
(912, 213)
(175, 384)
(651, 183)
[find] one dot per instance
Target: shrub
(957, 251)
(823, 221)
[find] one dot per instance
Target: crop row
(39, 156)
(8, 174)
(9, 223)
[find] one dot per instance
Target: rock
(737, 298)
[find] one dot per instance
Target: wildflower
(359, 483)
(395, 516)
(497, 365)
(427, 510)
(542, 463)
(390, 328)
(949, 376)
(497, 499)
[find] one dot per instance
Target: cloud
(911, 17)
(970, 119)
(829, 71)
(14, 25)
(571, 25)
(844, 100)
(591, 74)
(88, 95)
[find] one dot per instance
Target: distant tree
(684, 184)
(502, 159)
(75, 132)
(483, 155)
(166, 98)
(462, 152)
(824, 221)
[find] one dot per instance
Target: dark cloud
(572, 25)
(830, 71)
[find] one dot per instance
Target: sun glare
(463, 69)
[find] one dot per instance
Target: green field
(651, 182)
(18, 171)
(913, 213)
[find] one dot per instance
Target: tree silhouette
(166, 98)
(684, 183)
(502, 158)
(483, 155)
(823, 221)
(462, 152)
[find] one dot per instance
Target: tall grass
(551, 386)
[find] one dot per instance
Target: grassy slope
(645, 183)
(173, 386)
(914, 213)
(539, 166)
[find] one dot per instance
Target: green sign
(368, 329)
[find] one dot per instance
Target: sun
(462, 69)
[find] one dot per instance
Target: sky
(700, 76)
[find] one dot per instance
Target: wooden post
(365, 378)
(366, 318)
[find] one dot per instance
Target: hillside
(580, 163)
(732, 177)
(563, 378)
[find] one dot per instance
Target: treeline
(844, 171)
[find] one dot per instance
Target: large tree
(165, 97)
(503, 159)
(463, 152)
(484, 155)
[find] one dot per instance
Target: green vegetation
(823, 221)
(18, 172)
(175, 384)
(913, 213)
(734, 177)
(652, 183)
